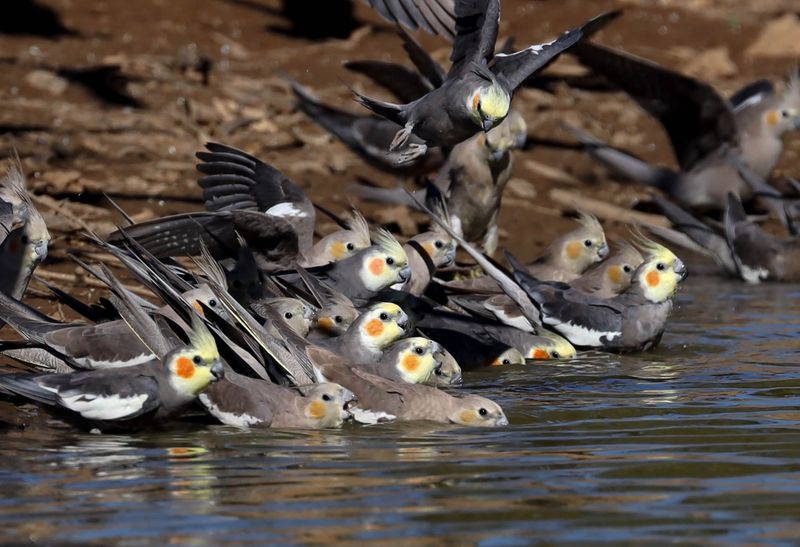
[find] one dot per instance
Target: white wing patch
(753, 275)
(100, 407)
(371, 417)
(90, 363)
(581, 336)
(286, 209)
(536, 49)
(243, 421)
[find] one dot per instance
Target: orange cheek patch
(316, 409)
(198, 308)
(574, 249)
(376, 266)
(652, 278)
(428, 249)
(539, 353)
(185, 368)
(410, 363)
(467, 416)
(374, 327)
(476, 100)
(496, 363)
(338, 250)
(615, 274)
(773, 117)
(325, 323)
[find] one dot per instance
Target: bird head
(327, 405)
(583, 247)
(344, 243)
(488, 105)
(786, 114)
(447, 371)
(415, 360)
(620, 268)
(381, 325)
(336, 315)
(550, 346)
(298, 315)
(204, 296)
(473, 410)
(511, 134)
(193, 367)
(510, 356)
(384, 264)
(440, 247)
(660, 273)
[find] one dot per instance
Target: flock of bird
(259, 325)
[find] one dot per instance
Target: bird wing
(105, 395)
(697, 119)
(434, 16)
(476, 25)
(404, 83)
(752, 248)
(752, 93)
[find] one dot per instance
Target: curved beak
(488, 123)
(40, 250)
(450, 257)
(217, 371)
(405, 273)
(402, 321)
(602, 252)
(502, 421)
(498, 154)
(680, 268)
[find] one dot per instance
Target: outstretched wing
(434, 16)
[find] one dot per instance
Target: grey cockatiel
(740, 247)
(340, 244)
(414, 360)
(613, 275)
(381, 399)
(298, 315)
(474, 95)
(702, 126)
(336, 312)
(368, 136)
(426, 253)
(370, 334)
(245, 402)
(23, 233)
(632, 321)
(127, 398)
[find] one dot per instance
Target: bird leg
(412, 152)
(401, 137)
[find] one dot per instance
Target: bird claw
(400, 138)
(412, 152)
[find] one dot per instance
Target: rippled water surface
(698, 441)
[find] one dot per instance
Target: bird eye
(212, 303)
(505, 362)
(326, 397)
(438, 371)
(588, 243)
(288, 315)
(626, 269)
(338, 319)
(419, 351)
(350, 247)
(785, 113)
(197, 359)
(554, 355)
(483, 412)
(661, 266)
(438, 244)
(384, 316)
(24, 239)
(390, 260)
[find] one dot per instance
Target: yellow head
(384, 264)
(380, 325)
(511, 356)
(661, 273)
(488, 105)
(548, 346)
(195, 366)
(414, 359)
(473, 410)
(583, 247)
(326, 405)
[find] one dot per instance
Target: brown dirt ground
(74, 146)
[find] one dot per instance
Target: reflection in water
(697, 441)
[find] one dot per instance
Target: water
(697, 442)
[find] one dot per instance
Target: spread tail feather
(390, 111)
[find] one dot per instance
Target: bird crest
(202, 341)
